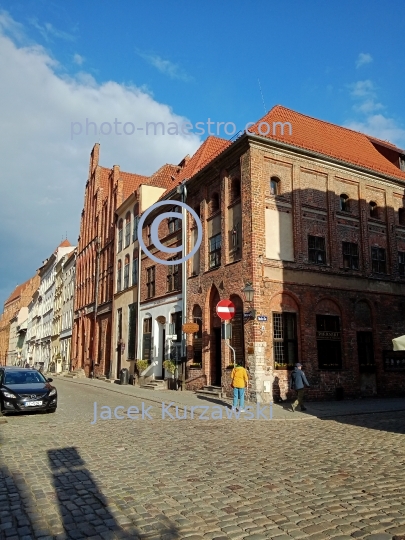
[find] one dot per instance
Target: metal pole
(94, 352)
(138, 291)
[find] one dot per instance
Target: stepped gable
(332, 141)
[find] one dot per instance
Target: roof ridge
(318, 120)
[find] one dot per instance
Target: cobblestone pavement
(63, 477)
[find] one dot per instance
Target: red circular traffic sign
(225, 310)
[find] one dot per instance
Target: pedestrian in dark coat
(298, 382)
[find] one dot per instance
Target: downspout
(138, 306)
(184, 283)
(96, 302)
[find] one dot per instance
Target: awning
(399, 343)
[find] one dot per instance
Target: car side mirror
(49, 380)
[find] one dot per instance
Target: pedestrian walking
(298, 382)
(239, 379)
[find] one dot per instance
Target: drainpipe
(184, 282)
(96, 303)
(138, 323)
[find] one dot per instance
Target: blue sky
(64, 61)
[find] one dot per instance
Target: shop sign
(328, 335)
(394, 360)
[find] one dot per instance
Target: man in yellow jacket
(239, 379)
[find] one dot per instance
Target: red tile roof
(210, 149)
(65, 243)
(132, 182)
(327, 139)
(163, 177)
(17, 292)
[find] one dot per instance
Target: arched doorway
(215, 340)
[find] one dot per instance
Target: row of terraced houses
(310, 220)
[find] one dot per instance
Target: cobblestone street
(64, 477)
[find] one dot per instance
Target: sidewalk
(183, 399)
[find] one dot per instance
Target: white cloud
(381, 127)
(78, 59)
(10, 27)
(47, 30)
(165, 66)
(365, 94)
(362, 88)
(363, 58)
(44, 168)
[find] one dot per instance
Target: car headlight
(8, 395)
(52, 392)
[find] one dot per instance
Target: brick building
(314, 219)
(19, 298)
(161, 312)
(105, 191)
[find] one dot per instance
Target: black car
(25, 389)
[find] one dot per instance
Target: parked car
(23, 389)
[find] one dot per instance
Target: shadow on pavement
(216, 401)
(84, 508)
(391, 422)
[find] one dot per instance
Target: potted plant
(195, 365)
(280, 366)
(141, 365)
(170, 366)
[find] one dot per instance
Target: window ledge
(239, 260)
(212, 269)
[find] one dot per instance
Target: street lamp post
(182, 190)
(249, 293)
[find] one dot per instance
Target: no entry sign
(225, 310)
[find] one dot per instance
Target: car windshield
(23, 377)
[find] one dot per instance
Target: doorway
(119, 347)
(217, 374)
(162, 354)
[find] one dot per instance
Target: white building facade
(68, 290)
(46, 304)
(16, 347)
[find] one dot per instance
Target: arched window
(127, 229)
(344, 203)
(119, 276)
(235, 189)
(135, 267)
(214, 203)
(401, 216)
(274, 185)
(136, 221)
(373, 210)
(120, 225)
(126, 272)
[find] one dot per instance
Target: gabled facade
(16, 347)
(106, 189)
(20, 297)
